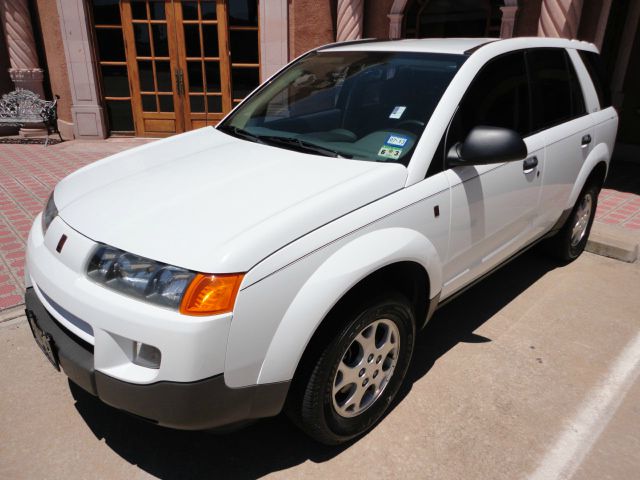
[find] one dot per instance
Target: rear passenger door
(559, 113)
(492, 206)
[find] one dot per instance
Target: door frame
(140, 117)
(164, 123)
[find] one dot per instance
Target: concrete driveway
(532, 373)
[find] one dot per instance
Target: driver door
(492, 206)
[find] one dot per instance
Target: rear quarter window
(595, 67)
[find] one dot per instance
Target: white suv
(287, 258)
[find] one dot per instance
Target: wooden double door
(188, 62)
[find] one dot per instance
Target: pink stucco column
(560, 18)
(395, 16)
(508, 20)
(16, 22)
(350, 16)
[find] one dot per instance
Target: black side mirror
(486, 145)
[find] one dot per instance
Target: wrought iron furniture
(24, 107)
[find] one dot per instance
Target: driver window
(497, 97)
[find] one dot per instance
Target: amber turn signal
(211, 294)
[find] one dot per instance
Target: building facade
(158, 67)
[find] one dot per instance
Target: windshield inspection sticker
(390, 152)
(397, 112)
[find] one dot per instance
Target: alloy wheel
(365, 368)
(581, 220)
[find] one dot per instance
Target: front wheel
(357, 375)
(571, 240)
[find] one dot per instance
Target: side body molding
(335, 277)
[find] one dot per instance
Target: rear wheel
(356, 376)
(571, 240)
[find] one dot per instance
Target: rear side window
(498, 97)
(556, 92)
(594, 65)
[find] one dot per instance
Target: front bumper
(192, 348)
(197, 405)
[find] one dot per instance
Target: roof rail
(478, 47)
(352, 42)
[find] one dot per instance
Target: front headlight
(163, 284)
(48, 214)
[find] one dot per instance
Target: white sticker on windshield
(397, 112)
(396, 140)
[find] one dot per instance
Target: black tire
(565, 245)
(313, 406)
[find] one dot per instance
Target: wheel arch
(395, 258)
(594, 168)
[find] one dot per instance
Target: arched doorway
(445, 18)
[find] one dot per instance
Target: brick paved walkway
(28, 173)
(619, 208)
(619, 201)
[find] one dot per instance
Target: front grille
(68, 316)
(71, 318)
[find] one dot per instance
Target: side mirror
(486, 145)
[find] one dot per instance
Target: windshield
(362, 105)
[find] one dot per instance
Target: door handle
(179, 81)
(529, 164)
(586, 140)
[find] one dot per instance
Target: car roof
(453, 45)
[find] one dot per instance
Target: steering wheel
(411, 125)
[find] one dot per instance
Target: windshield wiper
(304, 145)
(239, 132)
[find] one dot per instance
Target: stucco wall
(311, 24)
(56, 60)
(376, 22)
(6, 85)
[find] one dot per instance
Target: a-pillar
(350, 16)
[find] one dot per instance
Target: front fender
(332, 280)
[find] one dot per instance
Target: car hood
(213, 203)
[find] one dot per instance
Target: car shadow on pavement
(275, 444)
(261, 448)
(457, 321)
